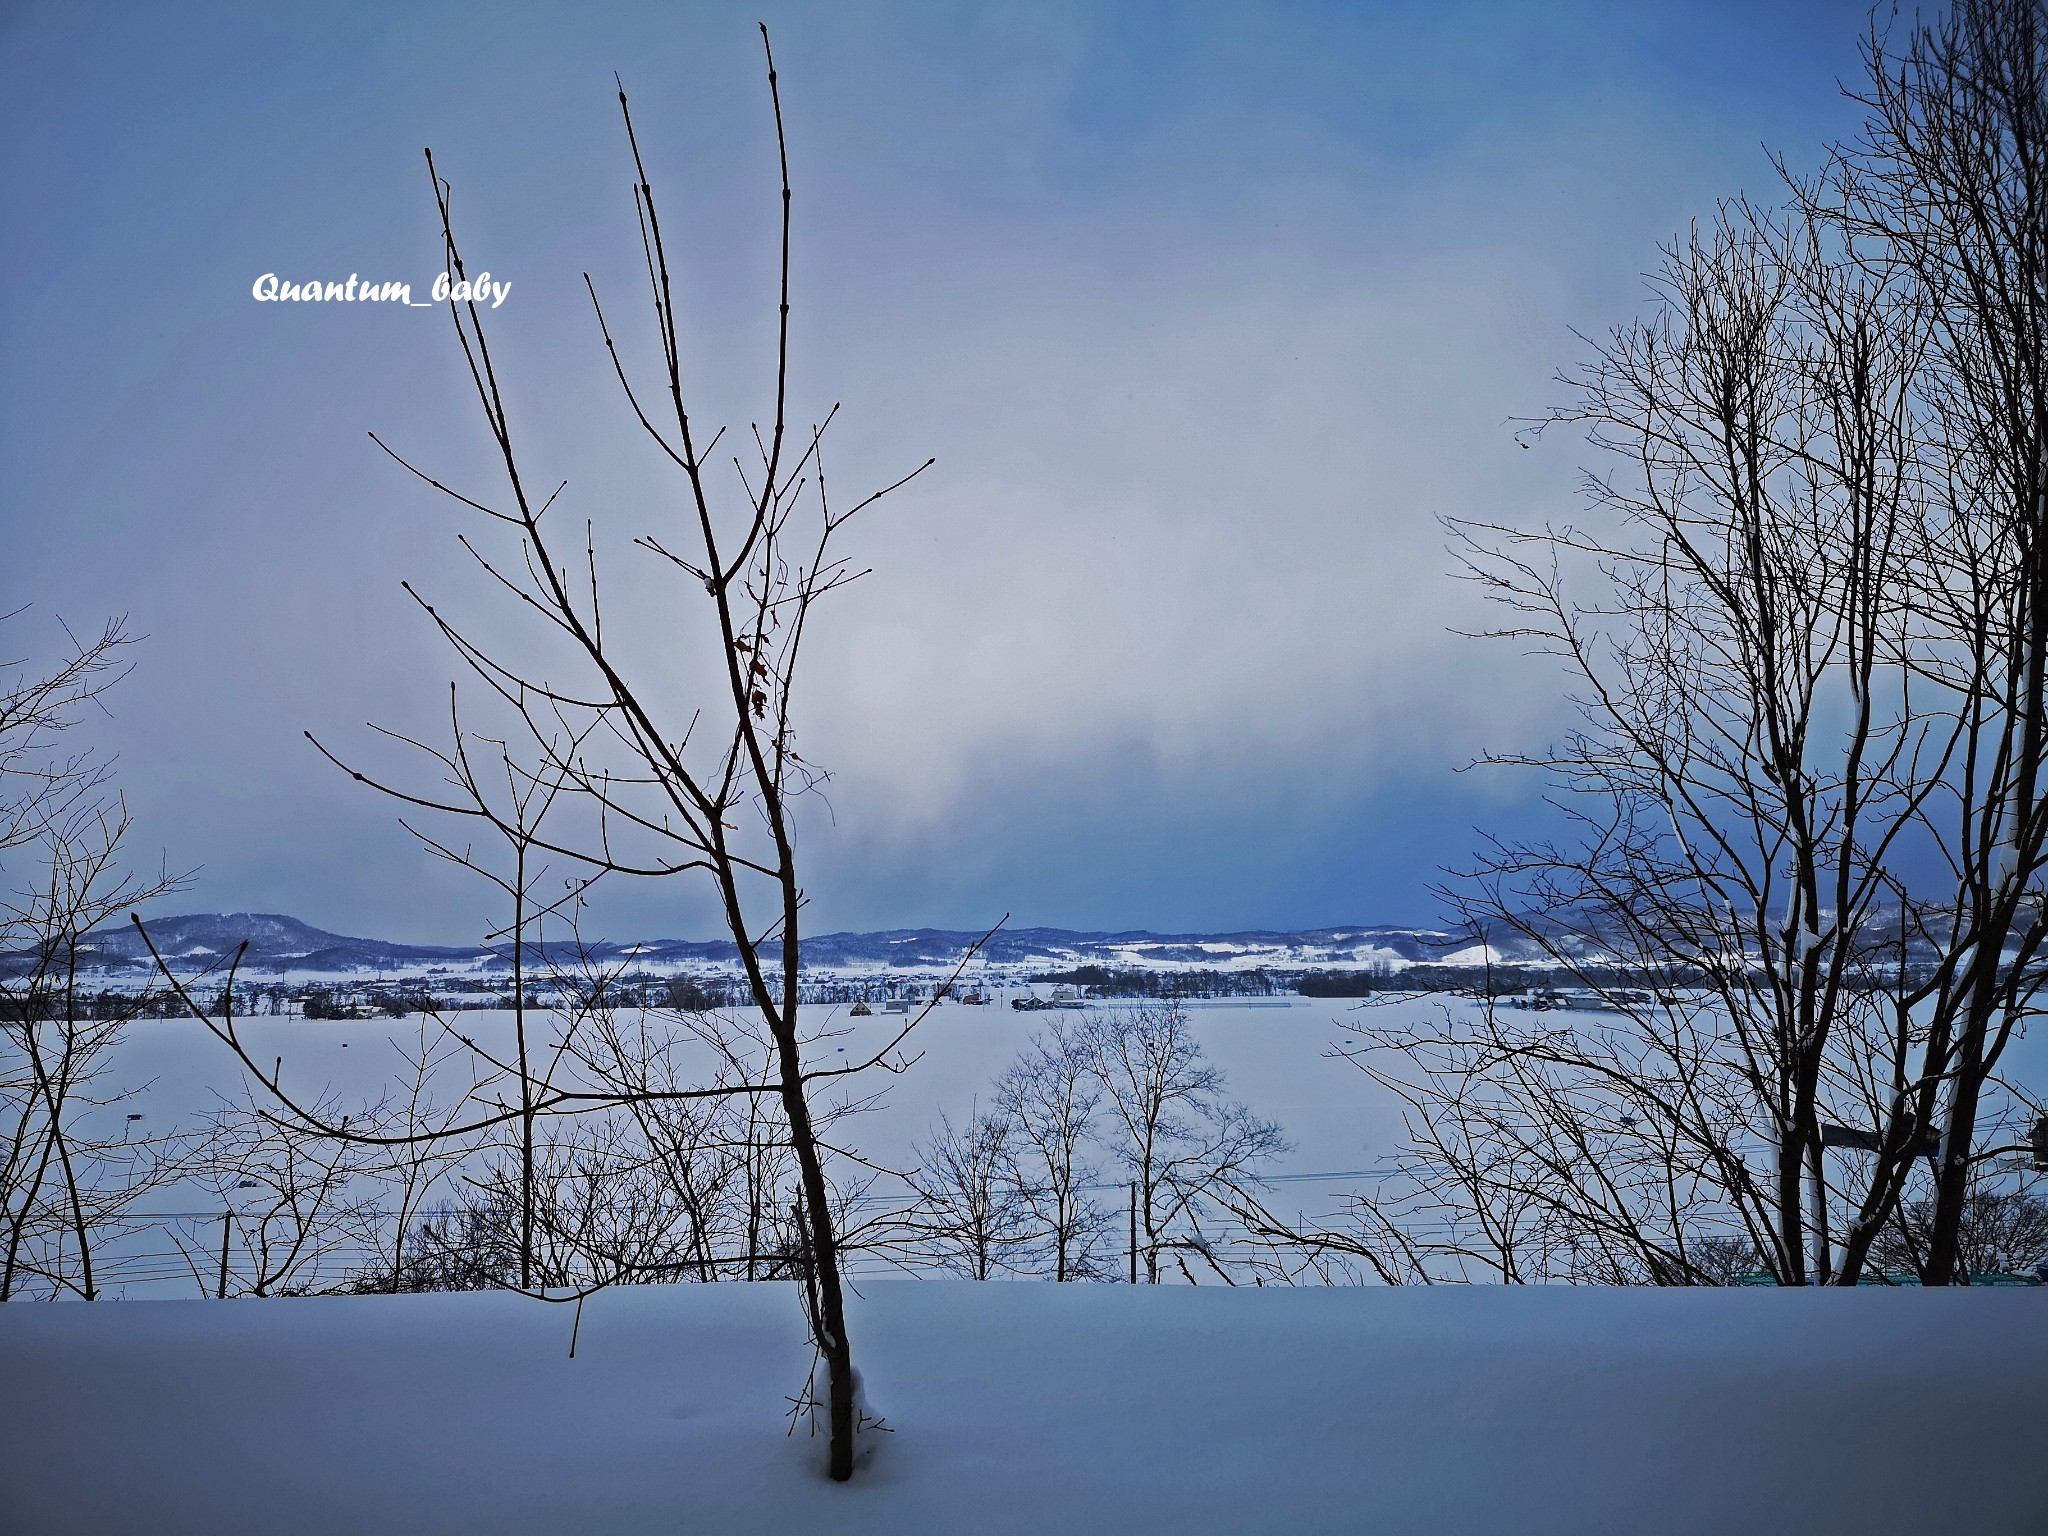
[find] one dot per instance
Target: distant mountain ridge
(279, 944)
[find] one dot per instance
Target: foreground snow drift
(1035, 1408)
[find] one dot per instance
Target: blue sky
(1208, 313)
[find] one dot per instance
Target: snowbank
(1035, 1408)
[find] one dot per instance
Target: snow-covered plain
(1035, 1408)
(1276, 1059)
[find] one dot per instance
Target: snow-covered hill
(281, 949)
(279, 945)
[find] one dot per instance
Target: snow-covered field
(1275, 1058)
(1036, 1408)
(1275, 1054)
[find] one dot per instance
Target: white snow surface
(1035, 1408)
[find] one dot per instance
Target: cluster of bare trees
(74, 1162)
(1125, 1093)
(83, 1171)
(1806, 629)
(670, 1175)
(623, 1158)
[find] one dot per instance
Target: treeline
(398, 998)
(1103, 981)
(1488, 981)
(1615, 982)
(31, 1007)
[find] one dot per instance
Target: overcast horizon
(1209, 314)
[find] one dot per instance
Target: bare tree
(1812, 656)
(601, 1211)
(2003, 1231)
(1187, 1147)
(40, 779)
(1603, 1152)
(1945, 189)
(1751, 756)
(652, 780)
(293, 1201)
(73, 1164)
(1051, 1094)
(724, 1160)
(415, 1169)
(975, 1214)
(496, 794)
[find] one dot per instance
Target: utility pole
(1134, 1231)
(227, 1226)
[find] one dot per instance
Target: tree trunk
(830, 1325)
